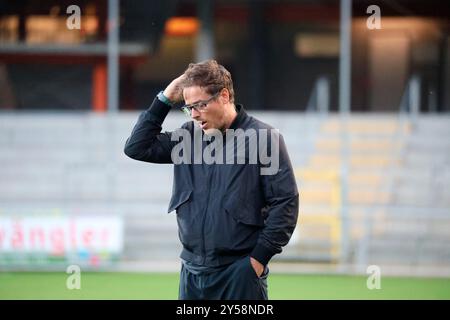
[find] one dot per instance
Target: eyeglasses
(200, 106)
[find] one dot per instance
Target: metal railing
(319, 99)
(411, 99)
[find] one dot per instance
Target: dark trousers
(237, 281)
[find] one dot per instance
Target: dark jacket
(224, 211)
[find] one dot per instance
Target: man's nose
(194, 113)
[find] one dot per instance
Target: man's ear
(225, 96)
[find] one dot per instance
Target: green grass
(24, 285)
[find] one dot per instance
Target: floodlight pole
(344, 110)
(205, 39)
(113, 55)
(345, 56)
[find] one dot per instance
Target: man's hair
(210, 76)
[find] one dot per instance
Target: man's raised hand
(174, 91)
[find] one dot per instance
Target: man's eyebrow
(196, 102)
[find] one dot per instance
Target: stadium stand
(392, 208)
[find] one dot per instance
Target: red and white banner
(61, 235)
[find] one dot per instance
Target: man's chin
(211, 131)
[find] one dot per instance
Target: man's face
(213, 114)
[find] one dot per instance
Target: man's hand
(257, 266)
(174, 91)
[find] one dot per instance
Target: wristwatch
(161, 97)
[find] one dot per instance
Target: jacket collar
(241, 115)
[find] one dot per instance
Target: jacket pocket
(238, 228)
(188, 220)
(178, 199)
(243, 213)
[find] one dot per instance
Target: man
(234, 212)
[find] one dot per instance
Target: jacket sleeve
(146, 142)
(282, 205)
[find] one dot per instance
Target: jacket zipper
(206, 211)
